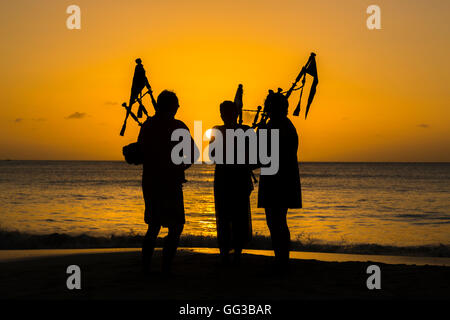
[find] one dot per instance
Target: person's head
(228, 112)
(276, 105)
(167, 104)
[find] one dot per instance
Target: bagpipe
(309, 68)
(140, 82)
(132, 152)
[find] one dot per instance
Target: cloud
(76, 115)
(17, 120)
(423, 125)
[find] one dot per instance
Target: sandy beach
(117, 275)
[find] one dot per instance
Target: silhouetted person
(232, 188)
(282, 190)
(162, 180)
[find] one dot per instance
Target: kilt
(232, 188)
(164, 204)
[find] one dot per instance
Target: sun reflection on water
(339, 206)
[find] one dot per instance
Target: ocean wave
(428, 216)
(20, 240)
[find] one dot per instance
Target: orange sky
(383, 95)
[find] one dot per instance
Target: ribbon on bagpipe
(311, 69)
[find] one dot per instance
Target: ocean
(398, 204)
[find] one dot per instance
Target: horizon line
(311, 161)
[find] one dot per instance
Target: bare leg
(224, 237)
(285, 239)
(238, 241)
(279, 233)
(148, 246)
(237, 256)
(170, 246)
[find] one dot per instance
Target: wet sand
(117, 275)
(15, 255)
